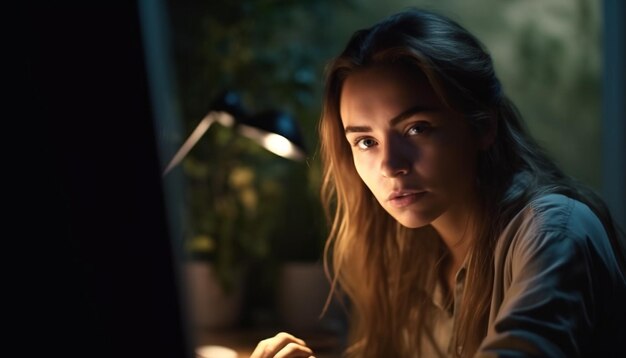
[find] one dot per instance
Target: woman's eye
(365, 143)
(419, 128)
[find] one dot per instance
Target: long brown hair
(387, 271)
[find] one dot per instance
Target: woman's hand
(282, 345)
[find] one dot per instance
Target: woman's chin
(412, 221)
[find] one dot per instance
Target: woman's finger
(295, 347)
(294, 350)
(260, 348)
(288, 337)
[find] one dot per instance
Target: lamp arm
(206, 122)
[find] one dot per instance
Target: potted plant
(247, 206)
(235, 194)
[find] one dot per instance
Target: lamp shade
(275, 130)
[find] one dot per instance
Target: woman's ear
(489, 135)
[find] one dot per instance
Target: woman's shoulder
(555, 260)
(556, 214)
(555, 225)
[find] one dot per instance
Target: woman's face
(416, 156)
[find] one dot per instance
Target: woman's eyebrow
(393, 121)
(408, 113)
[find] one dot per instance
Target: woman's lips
(400, 200)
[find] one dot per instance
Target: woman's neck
(457, 230)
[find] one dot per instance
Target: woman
(453, 233)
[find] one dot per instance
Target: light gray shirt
(557, 292)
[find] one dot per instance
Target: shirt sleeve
(547, 308)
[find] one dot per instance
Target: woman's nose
(396, 159)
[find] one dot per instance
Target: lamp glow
(279, 145)
(273, 142)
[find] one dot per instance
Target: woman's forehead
(391, 86)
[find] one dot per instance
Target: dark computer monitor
(99, 275)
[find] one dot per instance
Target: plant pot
(209, 305)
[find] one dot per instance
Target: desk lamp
(276, 131)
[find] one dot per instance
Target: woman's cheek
(363, 167)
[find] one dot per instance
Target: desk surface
(243, 341)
